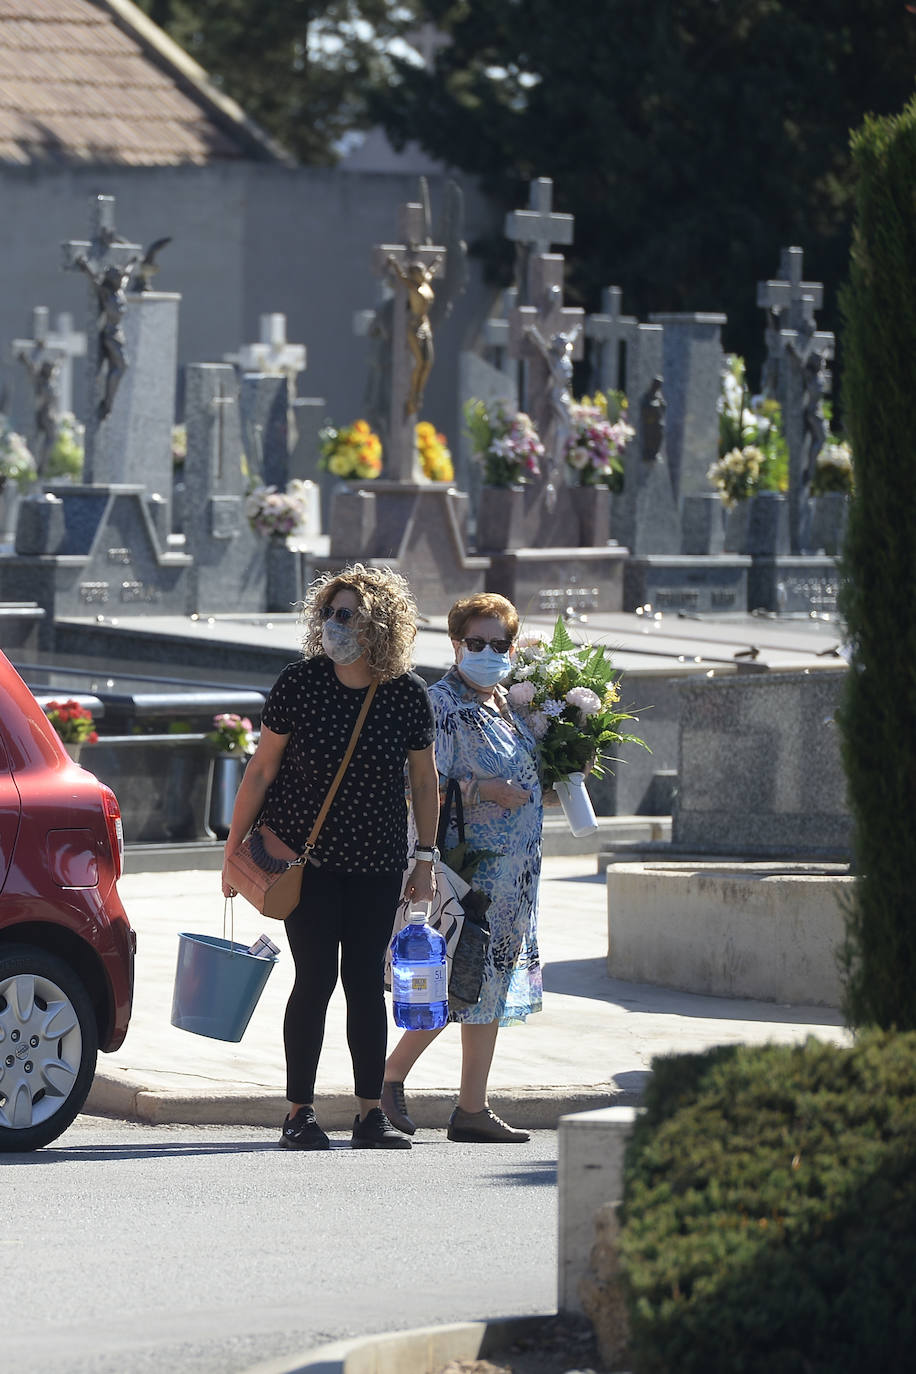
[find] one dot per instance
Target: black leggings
(352, 912)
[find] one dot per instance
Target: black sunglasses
(342, 615)
(476, 644)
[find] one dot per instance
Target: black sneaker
(377, 1133)
(303, 1132)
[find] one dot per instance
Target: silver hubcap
(40, 1050)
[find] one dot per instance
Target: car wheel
(48, 1047)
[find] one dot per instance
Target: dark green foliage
(692, 140)
(769, 1222)
(878, 593)
(300, 68)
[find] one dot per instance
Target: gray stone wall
(246, 239)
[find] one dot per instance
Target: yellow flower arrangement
(435, 459)
(353, 451)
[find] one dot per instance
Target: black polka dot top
(365, 830)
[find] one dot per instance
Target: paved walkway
(591, 1046)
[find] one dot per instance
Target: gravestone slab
(696, 584)
(230, 560)
(419, 529)
(264, 419)
(760, 768)
(644, 516)
(109, 561)
(794, 585)
(135, 443)
(692, 369)
(571, 581)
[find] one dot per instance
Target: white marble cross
(272, 353)
(539, 227)
(607, 331)
(789, 295)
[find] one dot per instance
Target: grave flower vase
(74, 749)
(768, 525)
(225, 775)
(736, 520)
(576, 804)
(500, 519)
(9, 510)
(828, 522)
(592, 506)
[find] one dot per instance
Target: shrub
(878, 588)
(769, 1220)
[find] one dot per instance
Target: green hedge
(878, 590)
(769, 1220)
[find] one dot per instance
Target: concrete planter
(592, 506)
(767, 532)
(829, 514)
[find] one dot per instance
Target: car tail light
(115, 828)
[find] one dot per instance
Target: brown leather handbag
(267, 872)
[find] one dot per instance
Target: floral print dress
(474, 743)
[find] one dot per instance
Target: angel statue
(110, 284)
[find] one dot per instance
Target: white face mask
(486, 668)
(340, 642)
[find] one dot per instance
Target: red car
(66, 945)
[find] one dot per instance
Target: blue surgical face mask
(486, 668)
(340, 642)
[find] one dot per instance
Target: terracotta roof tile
(76, 87)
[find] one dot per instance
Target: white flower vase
(576, 804)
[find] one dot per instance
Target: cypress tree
(878, 584)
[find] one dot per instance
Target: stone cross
(61, 344)
(271, 353)
(790, 303)
(496, 334)
(608, 331)
(534, 231)
(550, 317)
(104, 251)
(409, 266)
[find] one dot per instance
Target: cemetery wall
(247, 239)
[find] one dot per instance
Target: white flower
(524, 670)
(554, 668)
(538, 724)
(588, 702)
(521, 693)
(552, 707)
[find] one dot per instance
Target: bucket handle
(227, 902)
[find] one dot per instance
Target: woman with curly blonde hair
(359, 628)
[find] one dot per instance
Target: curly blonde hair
(385, 620)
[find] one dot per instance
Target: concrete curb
(132, 1098)
(423, 1350)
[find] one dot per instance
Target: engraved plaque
(138, 591)
(93, 591)
(225, 516)
(119, 555)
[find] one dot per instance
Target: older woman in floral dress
(481, 742)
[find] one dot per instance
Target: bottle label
(419, 986)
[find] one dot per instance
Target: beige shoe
(483, 1128)
(394, 1105)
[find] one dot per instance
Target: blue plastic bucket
(217, 986)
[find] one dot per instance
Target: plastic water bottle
(418, 975)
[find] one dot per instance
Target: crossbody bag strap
(326, 804)
(452, 802)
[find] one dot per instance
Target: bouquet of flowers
(505, 441)
(753, 455)
(353, 451)
(833, 469)
(16, 462)
(65, 457)
(231, 734)
(568, 694)
(435, 459)
(594, 448)
(74, 723)
(277, 514)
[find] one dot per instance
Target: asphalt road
(128, 1249)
